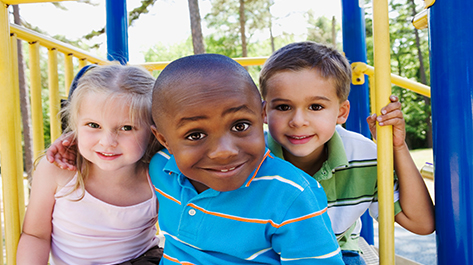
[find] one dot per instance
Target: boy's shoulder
(283, 171)
(356, 145)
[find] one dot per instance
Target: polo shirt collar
(337, 157)
(171, 168)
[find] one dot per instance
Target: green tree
(409, 58)
(238, 21)
(320, 29)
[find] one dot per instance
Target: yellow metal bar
(82, 63)
(421, 21)
(359, 67)
(50, 43)
(36, 103)
(54, 100)
(16, 2)
(68, 72)
(382, 76)
(373, 107)
(155, 66)
(7, 138)
(19, 155)
(247, 61)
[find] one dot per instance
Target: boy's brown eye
(240, 127)
(315, 107)
(283, 107)
(195, 136)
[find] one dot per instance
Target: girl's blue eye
(315, 107)
(195, 136)
(93, 125)
(127, 128)
(283, 107)
(241, 127)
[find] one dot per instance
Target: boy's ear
(160, 137)
(343, 112)
(265, 116)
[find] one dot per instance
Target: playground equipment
(452, 111)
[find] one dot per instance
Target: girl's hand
(63, 152)
(390, 115)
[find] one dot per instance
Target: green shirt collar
(337, 157)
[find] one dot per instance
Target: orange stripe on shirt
(176, 260)
(258, 221)
(304, 217)
(257, 169)
(166, 195)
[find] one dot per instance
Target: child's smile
(302, 109)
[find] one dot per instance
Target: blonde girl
(105, 211)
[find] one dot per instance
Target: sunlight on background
(167, 21)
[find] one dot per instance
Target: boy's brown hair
(307, 54)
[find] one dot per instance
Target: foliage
(132, 16)
(320, 28)
(224, 19)
(404, 62)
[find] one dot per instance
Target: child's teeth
(226, 170)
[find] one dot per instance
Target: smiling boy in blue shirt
(224, 198)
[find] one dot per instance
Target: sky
(166, 23)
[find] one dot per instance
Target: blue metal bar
(451, 38)
(117, 31)
(354, 46)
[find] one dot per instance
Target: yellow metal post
(19, 156)
(82, 63)
(54, 101)
(69, 71)
(7, 138)
(382, 76)
(36, 103)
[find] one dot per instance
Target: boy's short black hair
(189, 69)
(307, 54)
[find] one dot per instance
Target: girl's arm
(417, 213)
(35, 241)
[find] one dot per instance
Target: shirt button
(192, 212)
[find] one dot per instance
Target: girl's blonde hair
(132, 83)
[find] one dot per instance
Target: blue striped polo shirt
(268, 220)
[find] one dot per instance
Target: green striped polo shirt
(349, 178)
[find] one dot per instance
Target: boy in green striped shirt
(305, 86)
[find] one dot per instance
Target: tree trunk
(244, 52)
(271, 37)
(423, 79)
(24, 105)
(197, 39)
(334, 32)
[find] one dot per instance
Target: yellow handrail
(16, 2)
(247, 61)
(360, 68)
(50, 43)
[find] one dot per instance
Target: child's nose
(109, 139)
(223, 148)
(298, 119)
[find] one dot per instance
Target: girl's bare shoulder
(52, 175)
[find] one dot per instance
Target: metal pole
(8, 137)
(382, 80)
(117, 31)
(451, 38)
(354, 46)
